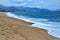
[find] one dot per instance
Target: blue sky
(47, 4)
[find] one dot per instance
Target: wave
(28, 19)
(52, 27)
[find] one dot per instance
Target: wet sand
(14, 29)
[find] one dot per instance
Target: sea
(47, 21)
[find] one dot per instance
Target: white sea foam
(52, 27)
(33, 20)
(18, 17)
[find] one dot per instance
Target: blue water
(50, 22)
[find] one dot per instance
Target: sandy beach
(14, 29)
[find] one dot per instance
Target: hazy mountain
(31, 10)
(15, 8)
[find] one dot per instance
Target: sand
(14, 29)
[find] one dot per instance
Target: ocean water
(50, 22)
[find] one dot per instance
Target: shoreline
(30, 23)
(36, 24)
(28, 32)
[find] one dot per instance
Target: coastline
(14, 29)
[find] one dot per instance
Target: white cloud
(30, 0)
(21, 0)
(23, 4)
(50, 4)
(41, 2)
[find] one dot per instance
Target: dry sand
(13, 29)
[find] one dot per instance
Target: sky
(47, 4)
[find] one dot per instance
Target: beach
(14, 29)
